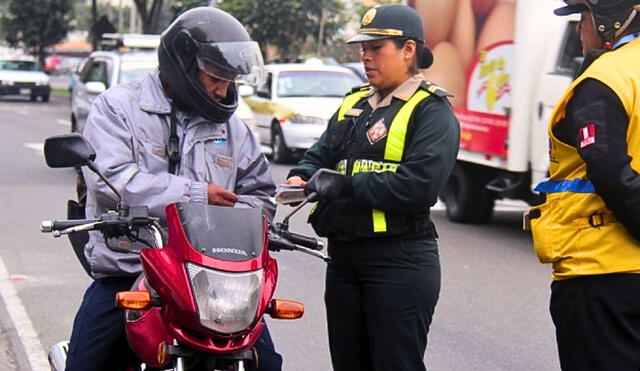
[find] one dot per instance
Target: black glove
(328, 184)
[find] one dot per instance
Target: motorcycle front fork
(178, 364)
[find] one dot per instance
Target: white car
(22, 76)
(292, 108)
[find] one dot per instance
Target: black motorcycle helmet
(213, 41)
(612, 17)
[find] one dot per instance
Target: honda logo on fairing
(224, 250)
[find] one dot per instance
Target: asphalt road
(492, 314)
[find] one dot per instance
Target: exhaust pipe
(58, 356)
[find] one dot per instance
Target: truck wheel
(45, 98)
(279, 151)
(33, 98)
(466, 197)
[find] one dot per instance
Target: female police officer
(395, 140)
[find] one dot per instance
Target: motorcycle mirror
(73, 150)
(68, 150)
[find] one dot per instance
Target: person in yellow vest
(589, 226)
(395, 140)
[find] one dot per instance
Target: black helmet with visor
(612, 17)
(209, 40)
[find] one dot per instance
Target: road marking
(38, 147)
(63, 122)
(24, 328)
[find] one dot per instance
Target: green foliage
(36, 24)
(291, 26)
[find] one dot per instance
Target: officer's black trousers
(597, 321)
(380, 299)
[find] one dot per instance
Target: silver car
(106, 69)
(101, 71)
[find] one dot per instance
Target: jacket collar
(403, 92)
(152, 96)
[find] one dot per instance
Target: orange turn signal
(285, 309)
(162, 353)
(133, 299)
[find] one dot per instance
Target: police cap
(387, 21)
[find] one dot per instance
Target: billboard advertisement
(472, 45)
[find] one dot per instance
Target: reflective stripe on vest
(573, 185)
(350, 101)
(398, 130)
(364, 166)
(394, 147)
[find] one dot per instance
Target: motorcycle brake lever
(314, 253)
(79, 228)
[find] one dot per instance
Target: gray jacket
(128, 126)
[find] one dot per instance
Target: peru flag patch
(587, 135)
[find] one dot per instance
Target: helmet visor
(232, 61)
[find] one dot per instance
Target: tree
(36, 24)
(291, 26)
(149, 15)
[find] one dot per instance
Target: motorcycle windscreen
(223, 233)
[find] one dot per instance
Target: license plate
(25, 91)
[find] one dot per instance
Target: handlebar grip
(58, 225)
(278, 242)
(308, 242)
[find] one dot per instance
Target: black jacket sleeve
(608, 161)
(429, 158)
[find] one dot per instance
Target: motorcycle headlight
(302, 119)
(227, 302)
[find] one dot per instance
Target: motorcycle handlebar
(298, 239)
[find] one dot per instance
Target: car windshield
(132, 70)
(19, 66)
(315, 83)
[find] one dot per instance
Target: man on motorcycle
(171, 136)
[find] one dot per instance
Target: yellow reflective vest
(574, 230)
(394, 147)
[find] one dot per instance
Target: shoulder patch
(355, 89)
(435, 89)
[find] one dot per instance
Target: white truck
(507, 62)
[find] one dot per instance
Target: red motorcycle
(200, 300)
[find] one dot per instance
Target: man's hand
(295, 181)
(220, 196)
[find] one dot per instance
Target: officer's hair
(423, 57)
